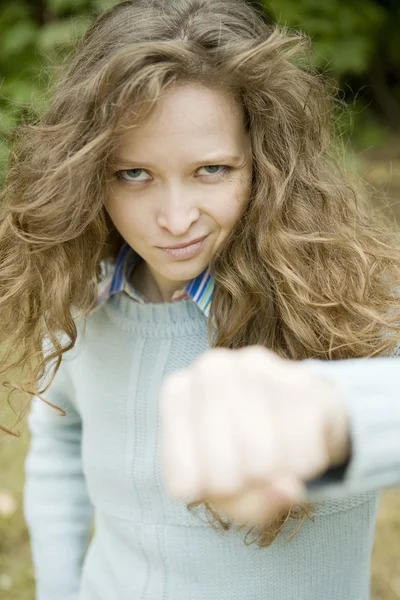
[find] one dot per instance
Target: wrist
(337, 429)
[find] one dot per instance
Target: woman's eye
(222, 172)
(133, 175)
(130, 175)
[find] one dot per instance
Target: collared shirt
(117, 278)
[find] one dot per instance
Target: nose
(178, 211)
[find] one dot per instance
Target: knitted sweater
(102, 462)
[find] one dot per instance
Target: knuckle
(213, 364)
(257, 358)
(221, 487)
(212, 356)
(172, 389)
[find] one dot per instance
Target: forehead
(191, 118)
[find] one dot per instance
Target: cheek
(114, 207)
(129, 222)
(228, 217)
(229, 210)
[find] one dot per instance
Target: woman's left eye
(223, 168)
(128, 175)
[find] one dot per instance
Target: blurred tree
(35, 35)
(356, 42)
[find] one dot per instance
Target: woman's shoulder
(107, 271)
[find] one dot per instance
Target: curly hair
(308, 270)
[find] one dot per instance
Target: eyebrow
(215, 160)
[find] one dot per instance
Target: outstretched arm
(253, 433)
(370, 390)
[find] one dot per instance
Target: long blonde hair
(307, 271)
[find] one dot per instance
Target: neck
(144, 281)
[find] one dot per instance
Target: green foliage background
(35, 37)
(357, 42)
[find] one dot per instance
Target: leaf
(61, 33)
(8, 121)
(3, 160)
(60, 6)
(12, 13)
(18, 91)
(352, 55)
(15, 40)
(103, 5)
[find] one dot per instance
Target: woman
(186, 166)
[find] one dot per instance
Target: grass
(16, 572)
(386, 554)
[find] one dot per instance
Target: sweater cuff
(368, 388)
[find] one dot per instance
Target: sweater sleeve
(57, 509)
(370, 389)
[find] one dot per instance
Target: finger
(261, 360)
(289, 488)
(180, 460)
(277, 497)
(263, 503)
(245, 507)
(254, 506)
(303, 443)
(217, 444)
(257, 435)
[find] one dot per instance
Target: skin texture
(172, 192)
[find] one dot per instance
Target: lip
(200, 239)
(186, 252)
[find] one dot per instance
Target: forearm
(58, 516)
(57, 508)
(370, 391)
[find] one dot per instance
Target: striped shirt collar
(117, 278)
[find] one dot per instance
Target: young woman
(181, 194)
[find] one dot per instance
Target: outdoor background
(357, 45)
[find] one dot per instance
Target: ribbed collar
(117, 279)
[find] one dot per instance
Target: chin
(183, 272)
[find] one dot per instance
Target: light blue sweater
(103, 460)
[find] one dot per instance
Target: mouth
(184, 245)
(187, 251)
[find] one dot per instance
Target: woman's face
(182, 175)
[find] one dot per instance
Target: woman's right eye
(128, 175)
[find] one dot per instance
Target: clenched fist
(245, 429)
